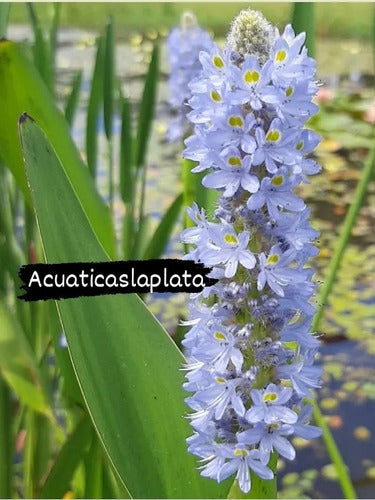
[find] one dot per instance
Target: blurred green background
(338, 20)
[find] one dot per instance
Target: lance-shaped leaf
(71, 453)
(18, 365)
(23, 90)
(128, 367)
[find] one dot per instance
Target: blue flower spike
(249, 347)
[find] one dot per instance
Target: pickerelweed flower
(250, 353)
(184, 45)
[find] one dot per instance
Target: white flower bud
(188, 21)
(251, 34)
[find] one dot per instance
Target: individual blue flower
(273, 146)
(228, 248)
(302, 427)
(253, 84)
(269, 406)
(270, 437)
(274, 271)
(276, 192)
(241, 461)
(232, 172)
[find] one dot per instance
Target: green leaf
(73, 98)
(109, 72)
(141, 237)
(70, 455)
(128, 231)
(4, 18)
(19, 366)
(147, 108)
(95, 101)
(163, 232)
(41, 50)
(56, 10)
(94, 470)
(23, 90)
(70, 390)
(128, 367)
(126, 163)
(303, 19)
(6, 440)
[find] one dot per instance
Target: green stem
(337, 460)
(334, 453)
(344, 237)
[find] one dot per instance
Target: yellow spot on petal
(235, 161)
(215, 96)
(273, 259)
(289, 91)
(235, 121)
(273, 136)
(241, 452)
(280, 55)
(270, 396)
(218, 62)
(220, 380)
(220, 336)
(251, 77)
(230, 238)
(299, 145)
(278, 180)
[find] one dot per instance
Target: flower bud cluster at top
(250, 353)
(183, 46)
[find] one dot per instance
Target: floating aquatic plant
(250, 353)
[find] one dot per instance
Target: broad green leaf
(70, 455)
(147, 108)
(128, 367)
(112, 487)
(22, 90)
(73, 98)
(163, 232)
(18, 365)
(70, 390)
(95, 100)
(303, 19)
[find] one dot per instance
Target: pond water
(348, 347)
